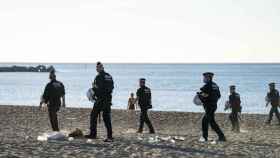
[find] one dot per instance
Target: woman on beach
(132, 104)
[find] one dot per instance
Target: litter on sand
(52, 136)
(156, 139)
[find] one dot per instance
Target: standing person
(54, 97)
(144, 98)
(131, 105)
(103, 88)
(234, 105)
(209, 95)
(272, 97)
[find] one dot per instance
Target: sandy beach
(21, 125)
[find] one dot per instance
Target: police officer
(234, 105)
(144, 98)
(272, 97)
(103, 88)
(53, 94)
(209, 96)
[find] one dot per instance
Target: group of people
(103, 85)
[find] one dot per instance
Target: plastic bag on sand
(52, 136)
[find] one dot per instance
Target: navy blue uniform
(212, 91)
(145, 102)
(52, 96)
(234, 101)
(273, 97)
(103, 87)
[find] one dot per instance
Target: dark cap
(232, 86)
(210, 74)
(271, 84)
(142, 79)
(99, 63)
(52, 72)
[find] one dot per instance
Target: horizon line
(141, 63)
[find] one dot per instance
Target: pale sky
(157, 31)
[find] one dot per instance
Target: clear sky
(140, 31)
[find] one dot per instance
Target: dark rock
(39, 68)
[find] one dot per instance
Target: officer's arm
(204, 91)
(45, 96)
(63, 96)
(230, 101)
(137, 97)
(128, 103)
(150, 98)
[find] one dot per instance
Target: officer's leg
(214, 125)
(270, 115)
(107, 121)
(236, 122)
(205, 125)
(232, 121)
(277, 114)
(93, 121)
(53, 119)
(141, 124)
(148, 122)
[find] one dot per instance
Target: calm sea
(173, 85)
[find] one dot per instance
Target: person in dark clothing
(272, 97)
(209, 95)
(53, 94)
(144, 98)
(103, 88)
(234, 105)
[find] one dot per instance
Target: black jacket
(103, 86)
(213, 92)
(53, 93)
(144, 98)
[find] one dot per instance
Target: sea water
(173, 85)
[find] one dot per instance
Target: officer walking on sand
(209, 95)
(103, 88)
(234, 105)
(272, 97)
(144, 98)
(53, 94)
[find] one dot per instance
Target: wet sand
(20, 126)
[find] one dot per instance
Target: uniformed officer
(144, 98)
(272, 97)
(234, 105)
(103, 88)
(53, 94)
(209, 96)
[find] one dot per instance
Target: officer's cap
(232, 86)
(208, 74)
(52, 72)
(142, 79)
(99, 63)
(271, 84)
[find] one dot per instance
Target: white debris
(179, 138)
(165, 138)
(214, 142)
(70, 139)
(52, 136)
(89, 140)
(173, 141)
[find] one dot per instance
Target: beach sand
(21, 125)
